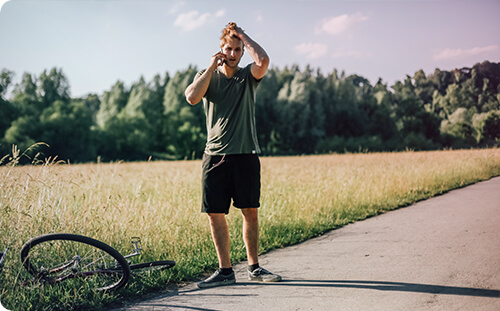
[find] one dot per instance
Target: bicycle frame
(2, 257)
(75, 261)
(72, 265)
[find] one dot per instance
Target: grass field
(302, 197)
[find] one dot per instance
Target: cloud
(446, 54)
(220, 13)
(339, 24)
(194, 19)
(311, 50)
(258, 16)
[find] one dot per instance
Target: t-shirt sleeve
(254, 82)
(198, 75)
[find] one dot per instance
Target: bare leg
(251, 234)
(220, 235)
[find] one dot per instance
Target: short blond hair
(226, 35)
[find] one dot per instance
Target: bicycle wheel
(153, 265)
(56, 257)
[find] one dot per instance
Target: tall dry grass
(160, 202)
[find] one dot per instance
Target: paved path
(439, 254)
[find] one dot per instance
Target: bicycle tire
(153, 265)
(102, 266)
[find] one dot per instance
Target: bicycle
(56, 257)
(2, 257)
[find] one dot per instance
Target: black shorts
(227, 177)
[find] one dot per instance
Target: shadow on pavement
(386, 286)
(356, 284)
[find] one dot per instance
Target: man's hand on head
(235, 31)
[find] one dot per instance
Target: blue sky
(97, 42)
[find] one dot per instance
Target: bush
(417, 141)
(491, 127)
(350, 144)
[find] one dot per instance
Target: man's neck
(228, 71)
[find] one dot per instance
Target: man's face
(233, 51)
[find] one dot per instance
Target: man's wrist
(241, 33)
(244, 38)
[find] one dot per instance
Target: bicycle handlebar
(136, 241)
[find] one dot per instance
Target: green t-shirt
(230, 113)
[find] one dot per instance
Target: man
(231, 166)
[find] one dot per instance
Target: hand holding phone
(218, 59)
(222, 59)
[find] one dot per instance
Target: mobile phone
(223, 60)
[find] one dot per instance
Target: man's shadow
(355, 284)
(387, 286)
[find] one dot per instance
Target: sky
(99, 42)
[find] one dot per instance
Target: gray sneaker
(217, 279)
(262, 275)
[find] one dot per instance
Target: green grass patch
(302, 197)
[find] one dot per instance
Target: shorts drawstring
(218, 163)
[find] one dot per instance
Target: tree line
(299, 111)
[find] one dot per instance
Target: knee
(217, 219)
(251, 215)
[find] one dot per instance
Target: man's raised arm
(258, 54)
(196, 90)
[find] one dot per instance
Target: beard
(232, 64)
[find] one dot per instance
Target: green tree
(142, 113)
(183, 132)
(154, 110)
(382, 120)
(8, 111)
(26, 98)
(459, 125)
(23, 132)
(66, 128)
(267, 112)
(330, 87)
(301, 114)
(441, 80)
(491, 127)
(348, 118)
(30, 98)
(297, 111)
(412, 120)
(53, 86)
(92, 102)
(112, 103)
(6, 77)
